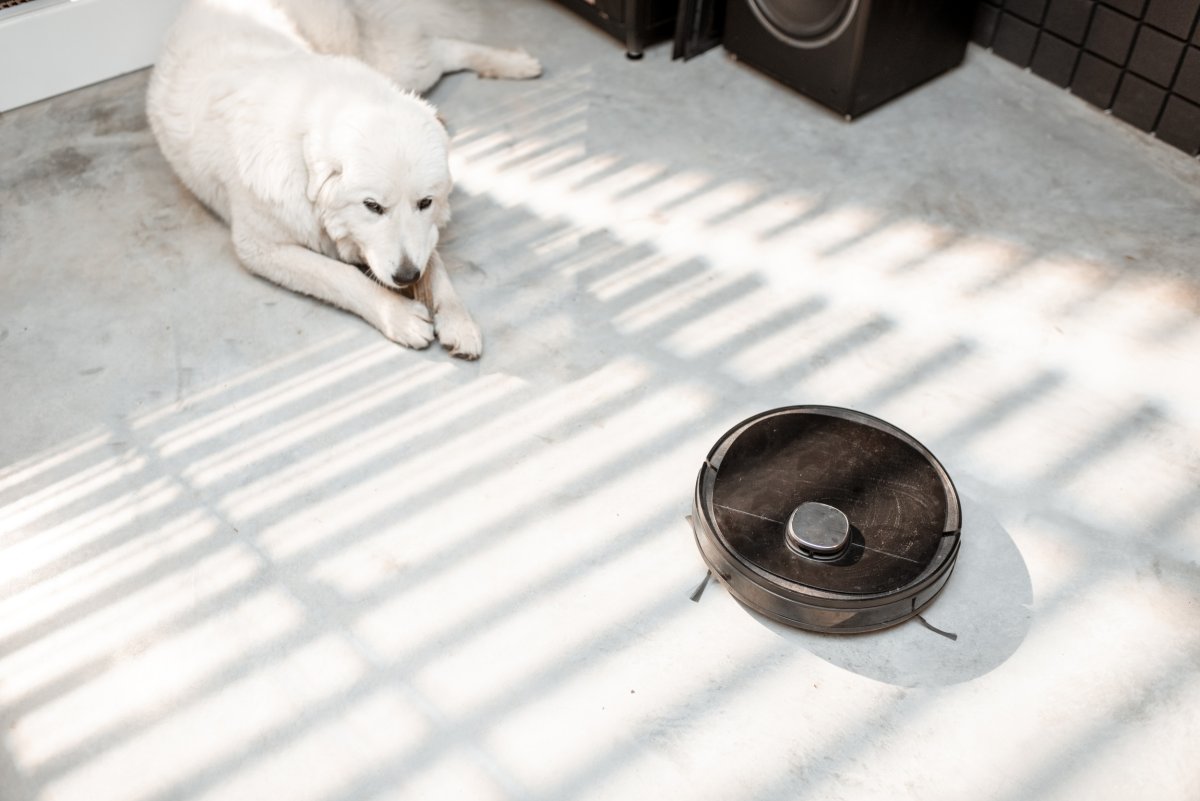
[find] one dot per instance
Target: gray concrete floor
(249, 549)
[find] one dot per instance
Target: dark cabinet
(637, 23)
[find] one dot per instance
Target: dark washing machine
(850, 55)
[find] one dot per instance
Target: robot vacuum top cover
(827, 519)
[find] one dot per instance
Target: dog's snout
(406, 274)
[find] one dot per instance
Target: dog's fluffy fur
(298, 123)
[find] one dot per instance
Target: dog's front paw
(407, 322)
(512, 64)
(459, 334)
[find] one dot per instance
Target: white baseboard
(63, 46)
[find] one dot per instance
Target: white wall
(72, 44)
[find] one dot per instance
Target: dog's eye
(373, 206)
(424, 203)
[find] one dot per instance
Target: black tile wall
(1134, 8)
(1095, 80)
(1031, 10)
(1111, 35)
(1180, 124)
(1187, 82)
(1015, 39)
(1055, 59)
(1155, 56)
(1139, 102)
(1069, 18)
(985, 24)
(1138, 58)
(1176, 17)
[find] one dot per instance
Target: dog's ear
(321, 167)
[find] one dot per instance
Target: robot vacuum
(827, 519)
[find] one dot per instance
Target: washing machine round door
(805, 21)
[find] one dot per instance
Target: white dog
(297, 123)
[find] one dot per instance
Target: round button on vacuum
(818, 530)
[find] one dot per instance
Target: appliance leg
(635, 28)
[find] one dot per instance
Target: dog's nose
(406, 274)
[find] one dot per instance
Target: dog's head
(379, 178)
